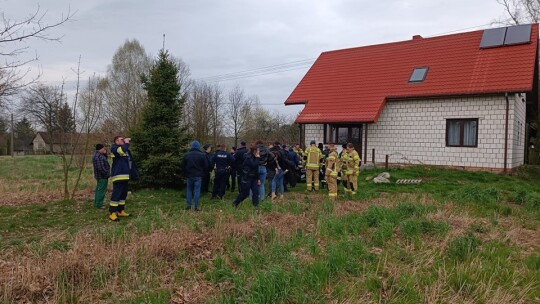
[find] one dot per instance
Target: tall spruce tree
(159, 141)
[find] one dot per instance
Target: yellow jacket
(353, 162)
(333, 165)
(314, 156)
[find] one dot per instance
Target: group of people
(249, 167)
(122, 170)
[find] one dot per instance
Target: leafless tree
(269, 126)
(42, 103)
(520, 11)
(184, 74)
(92, 103)
(74, 146)
(14, 34)
(204, 117)
(126, 97)
(238, 112)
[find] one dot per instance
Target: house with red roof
(462, 100)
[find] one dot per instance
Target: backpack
(264, 154)
(284, 155)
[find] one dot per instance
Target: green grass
(441, 241)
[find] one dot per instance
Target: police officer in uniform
(223, 162)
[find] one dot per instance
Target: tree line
(117, 100)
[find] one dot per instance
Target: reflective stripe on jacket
(332, 164)
(353, 162)
(121, 162)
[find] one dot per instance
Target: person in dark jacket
(239, 160)
(120, 173)
(293, 164)
(231, 181)
(250, 177)
(264, 157)
(272, 173)
(282, 168)
(102, 172)
(206, 177)
(195, 166)
(223, 162)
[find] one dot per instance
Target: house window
(418, 74)
(462, 132)
(342, 134)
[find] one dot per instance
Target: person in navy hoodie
(250, 177)
(194, 165)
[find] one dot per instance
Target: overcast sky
(227, 36)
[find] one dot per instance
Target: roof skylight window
(419, 74)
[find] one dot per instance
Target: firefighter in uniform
(353, 169)
(332, 168)
(300, 153)
(313, 161)
(121, 167)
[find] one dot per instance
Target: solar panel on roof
(518, 34)
(493, 37)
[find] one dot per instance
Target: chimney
(416, 37)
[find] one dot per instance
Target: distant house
(42, 141)
(462, 100)
(23, 146)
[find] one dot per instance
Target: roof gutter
(506, 134)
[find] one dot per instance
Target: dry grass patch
(527, 239)
(40, 197)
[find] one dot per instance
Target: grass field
(459, 237)
(37, 179)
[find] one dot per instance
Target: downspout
(506, 134)
(365, 145)
(301, 135)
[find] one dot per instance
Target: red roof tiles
(352, 85)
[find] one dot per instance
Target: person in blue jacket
(120, 173)
(194, 165)
(250, 177)
(223, 162)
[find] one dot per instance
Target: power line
(260, 74)
(463, 29)
(278, 68)
(290, 66)
(262, 69)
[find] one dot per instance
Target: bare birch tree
(126, 97)
(238, 112)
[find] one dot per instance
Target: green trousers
(101, 190)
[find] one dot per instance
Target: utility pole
(12, 131)
(163, 43)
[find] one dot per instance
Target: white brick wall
(416, 131)
(313, 132)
